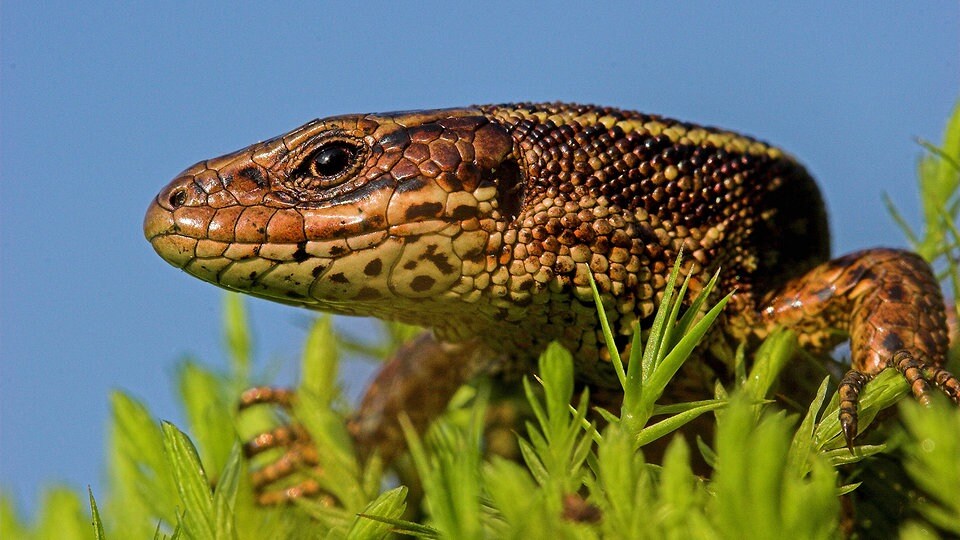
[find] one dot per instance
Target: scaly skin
(484, 223)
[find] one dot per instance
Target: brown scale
(484, 224)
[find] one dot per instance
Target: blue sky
(102, 103)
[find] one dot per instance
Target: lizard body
(483, 224)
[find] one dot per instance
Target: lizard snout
(173, 221)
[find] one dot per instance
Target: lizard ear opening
(511, 188)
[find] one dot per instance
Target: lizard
(484, 225)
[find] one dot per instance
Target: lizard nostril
(178, 198)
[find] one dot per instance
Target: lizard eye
(332, 160)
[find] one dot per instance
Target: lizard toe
(850, 387)
(292, 471)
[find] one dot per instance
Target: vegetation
(771, 469)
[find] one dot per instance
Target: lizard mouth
(326, 258)
(178, 239)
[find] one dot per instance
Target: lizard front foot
(292, 474)
(921, 377)
(889, 302)
(418, 381)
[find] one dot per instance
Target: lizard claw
(921, 377)
(281, 397)
(292, 475)
(850, 387)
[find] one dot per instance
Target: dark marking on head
(301, 254)
(410, 265)
(373, 268)
(252, 276)
(336, 251)
(339, 277)
(295, 295)
(438, 259)
(375, 222)
(511, 188)
(397, 139)
(412, 184)
(254, 174)
(423, 210)
(473, 254)
(317, 270)
(422, 283)
(465, 212)
(366, 226)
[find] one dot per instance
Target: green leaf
(533, 462)
(777, 349)
(681, 494)
(623, 487)
(675, 422)
(667, 368)
(514, 494)
(342, 474)
(61, 516)
(802, 447)
(917, 531)
(237, 334)
(95, 516)
(651, 353)
(932, 460)
(225, 496)
(556, 370)
(390, 505)
(757, 496)
(209, 415)
(197, 502)
(842, 456)
(10, 524)
(411, 528)
(451, 473)
(141, 489)
(320, 360)
(607, 333)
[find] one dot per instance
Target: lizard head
(360, 214)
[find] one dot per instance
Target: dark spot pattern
(423, 211)
(301, 254)
(422, 283)
(465, 212)
(373, 268)
(437, 259)
(892, 342)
